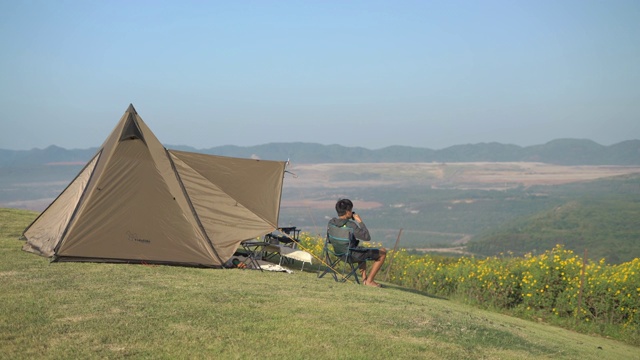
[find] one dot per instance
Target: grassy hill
(599, 216)
(606, 229)
(85, 310)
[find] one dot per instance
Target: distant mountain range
(561, 152)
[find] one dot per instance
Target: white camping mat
(275, 267)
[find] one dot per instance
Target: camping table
(254, 249)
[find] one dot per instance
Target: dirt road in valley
(452, 250)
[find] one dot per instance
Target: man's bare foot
(371, 283)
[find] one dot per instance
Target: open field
(461, 176)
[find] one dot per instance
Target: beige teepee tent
(137, 202)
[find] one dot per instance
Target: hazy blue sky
(357, 73)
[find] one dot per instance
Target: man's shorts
(364, 254)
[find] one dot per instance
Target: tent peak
(131, 109)
(130, 130)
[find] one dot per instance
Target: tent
(138, 202)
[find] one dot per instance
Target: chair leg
(329, 267)
(353, 271)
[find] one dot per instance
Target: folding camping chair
(337, 254)
(291, 238)
(254, 251)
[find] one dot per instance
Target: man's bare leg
(363, 271)
(375, 267)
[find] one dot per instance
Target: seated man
(346, 217)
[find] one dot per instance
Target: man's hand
(356, 217)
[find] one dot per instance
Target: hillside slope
(86, 310)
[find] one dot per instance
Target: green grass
(85, 310)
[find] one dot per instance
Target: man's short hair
(343, 205)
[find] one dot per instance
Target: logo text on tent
(134, 237)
